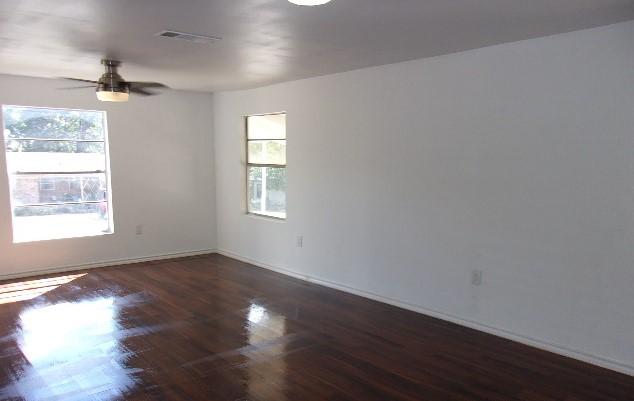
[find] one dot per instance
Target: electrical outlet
(476, 277)
(139, 229)
(300, 241)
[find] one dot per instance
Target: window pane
(30, 122)
(56, 160)
(34, 223)
(36, 189)
(267, 152)
(267, 191)
(271, 126)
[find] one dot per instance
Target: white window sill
(269, 217)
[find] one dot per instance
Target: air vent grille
(189, 37)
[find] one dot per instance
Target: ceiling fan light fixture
(309, 2)
(112, 96)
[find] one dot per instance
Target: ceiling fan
(111, 87)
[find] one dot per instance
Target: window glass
(267, 152)
(56, 162)
(266, 165)
(267, 191)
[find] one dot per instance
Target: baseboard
(113, 262)
(607, 363)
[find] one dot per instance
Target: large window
(57, 165)
(266, 165)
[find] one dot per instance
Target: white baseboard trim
(607, 363)
(106, 263)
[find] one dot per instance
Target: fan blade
(141, 85)
(142, 92)
(80, 80)
(76, 87)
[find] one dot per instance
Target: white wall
(161, 158)
(515, 159)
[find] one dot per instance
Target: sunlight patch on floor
(26, 290)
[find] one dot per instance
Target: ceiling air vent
(190, 37)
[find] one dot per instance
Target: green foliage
(255, 174)
(276, 179)
(267, 152)
(275, 150)
(49, 124)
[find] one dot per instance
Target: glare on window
(57, 167)
(266, 165)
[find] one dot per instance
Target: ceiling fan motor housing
(111, 81)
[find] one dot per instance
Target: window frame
(249, 164)
(105, 172)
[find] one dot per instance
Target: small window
(266, 165)
(57, 167)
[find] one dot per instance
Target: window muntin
(57, 167)
(266, 165)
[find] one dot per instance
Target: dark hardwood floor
(212, 328)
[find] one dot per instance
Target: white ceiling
(268, 41)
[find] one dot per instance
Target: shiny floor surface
(212, 328)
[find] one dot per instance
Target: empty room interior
(317, 200)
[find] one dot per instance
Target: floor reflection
(71, 352)
(26, 290)
(261, 324)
